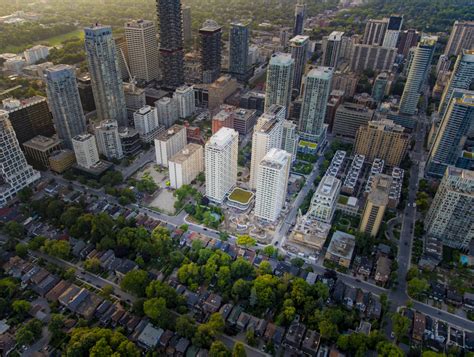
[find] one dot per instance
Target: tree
(135, 282)
(155, 309)
(29, 332)
(241, 268)
(297, 262)
(55, 326)
(208, 332)
(417, 286)
(218, 349)
(158, 289)
(264, 268)
(57, 248)
(14, 230)
(36, 243)
(250, 337)
(239, 350)
(69, 274)
(25, 194)
(186, 326)
(21, 307)
(400, 326)
(106, 291)
(246, 241)
(92, 265)
(328, 330)
(270, 251)
(21, 250)
(240, 290)
(387, 349)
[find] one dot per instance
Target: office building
(85, 149)
(221, 154)
(84, 86)
(290, 138)
(452, 132)
(29, 117)
(224, 118)
(299, 49)
(130, 140)
(168, 111)
(187, 24)
(15, 173)
(331, 49)
(408, 39)
(169, 142)
(171, 42)
(451, 215)
(461, 38)
(185, 100)
(211, 51)
(317, 85)
(380, 86)
(300, 17)
(349, 117)
(392, 34)
(142, 46)
(108, 140)
(135, 98)
(462, 77)
(146, 123)
(417, 75)
(341, 249)
(244, 120)
(219, 91)
(38, 149)
(65, 103)
(36, 53)
(382, 139)
(239, 50)
(280, 74)
(375, 32)
(372, 57)
(267, 134)
(272, 184)
(102, 60)
(376, 204)
(185, 165)
(253, 100)
(336, 97)
(61, 160)
(324, 201)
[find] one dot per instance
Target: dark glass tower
(171, 42)
(300, 15)
(211, 50)
(239, 50)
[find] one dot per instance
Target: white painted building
(169, 142)
(85, 149)
(108, 139)
(186, 165)
(324, 201)
(146, 123)
(167, 111)
(36, 53)
(185, 101)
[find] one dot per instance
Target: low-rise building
(382, 270)
(244, 120)
(38, 150)
(324, 200)
(341, 249)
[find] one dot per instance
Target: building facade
(85, 149)
(372, 57)
(280, 74)
(38, 149)
(168, 111)
(290, 138)
(211, 51)
(349, 117)
(300, 16)
(324, 201)
(108, 140)
(375, 32)
(146, 123)
(331, 49)
(187, 24)
(185, 101)
(185, 165)
(239, 50)
(392, 34)
(299, 49)
(169, 142)
(462, 37)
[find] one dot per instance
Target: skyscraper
(272, 184)
(299, 49)
(394, 27)
(290, 138)
(211, 48)
(85, 149)
(105, 74)
(146, 123)
(462, 37)
(280, 74)
(187, 24)
(419, 69)
(168, 111)
(300, 16)
(108, 140)
(451, 215)
(142, 46)
(331, 49)
(461, 78)
(375, 32)
(184, 97)
(171, 42)
(408, 39)
(65, 103)
(451, 134)
(239, 50)
(15, 173)
(317, 85)
(267, 134)
(221, 153)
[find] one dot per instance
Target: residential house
(294, 335)
(212, 304)
(243, 320)
(181, 347)
(382, 270)
(419, 323)
(149, 337)
(310, 344)
(453, 297)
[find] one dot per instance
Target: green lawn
(240, 196)
(52, 41)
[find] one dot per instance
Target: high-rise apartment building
(84, 86)
(462, 77)
(349, 117)
(290, 138)
(392, 34)
(375, 32)
(324, 201)
(372, 57)
(122, 57)
(280, 74)
(187, 24)
(108, 140)
(452, 132)
(105, 74)
(85, 149)
(15, 173)
(171, 42)
(299, 48)
(185, 100)
(143, 54)
(408, 39)
(185, 165)
(169, 142)
(135, 98)
(376, 204)
(451, 214)
(379, 89)
(168, 111)
(65, 103)
(239, 50)
(146, 123)
(461, 38)
(300, 17)
(272, 184)
(36, 53)
(224, 118)
(29, 117)
(221, 154)
(267, 134)
(332, 48)
(382, 139)
(211, 51)
(317, 85)
(417, 75)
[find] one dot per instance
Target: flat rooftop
(167, 134)
(185, 153)
(222, 137)
(42, 143)
(342, 245)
